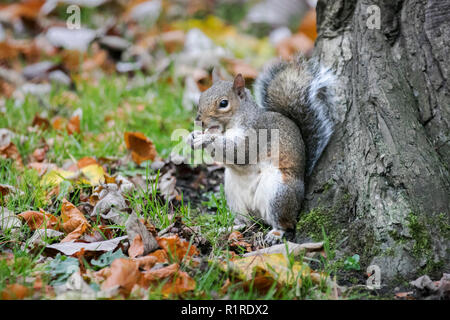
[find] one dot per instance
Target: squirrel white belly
(293, 112)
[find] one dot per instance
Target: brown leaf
(123, 273)
(58, 122)
(73, 125)
(15, 291)
(42, 168)
(75, 222)
(236, 240)
(10, 152)
(40, 220)
(86, 161)
(288, 47)
(237, 66)
(178, 281)
(146, 262)
(160, 255)
(25, 9)
(136, 248)
(39, 154)
(177, 248)
(308, 25)
(141, 147)
(135, 227)
(40, 122)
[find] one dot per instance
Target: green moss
(312, 223)
(420, 235)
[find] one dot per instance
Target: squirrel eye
(223, 104)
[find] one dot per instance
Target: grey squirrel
(293, 98)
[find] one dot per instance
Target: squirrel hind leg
(284, 207)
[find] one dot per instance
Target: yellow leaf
(55, 177)
(94, 174)
(275, 265)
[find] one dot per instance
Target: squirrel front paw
(275, 236)
(197, 139)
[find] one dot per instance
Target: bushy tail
(300, 90)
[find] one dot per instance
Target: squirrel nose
(197, 119)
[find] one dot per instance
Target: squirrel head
(220, 103)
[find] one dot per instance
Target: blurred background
(92, 69)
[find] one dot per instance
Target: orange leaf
(40, 122)
(40, 220)
(179, 281)
(10, 152)
(288, 47)
(308, 25)
(26, 9)
(141, 147)
(76, 234)
(86, 161)
(160, 255)
(136, 248)
(39, 154)
(75, 222)
(58, 123)
(177, 247)
(123, 273)
(73, 125)
(15, 291)
(146, 262)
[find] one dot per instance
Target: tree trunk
(381, 188)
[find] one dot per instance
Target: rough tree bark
(381, 189)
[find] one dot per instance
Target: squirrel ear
(239, 85)
(216, 76)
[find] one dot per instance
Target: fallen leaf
(73, 125)
(70, 248)
(42, 168)
(124, 274)
(136, 248)
(294, 249)
(39, 154)
(94, 174)
(135, 227)
(8, 220)
(274, 265)
(308, 25)
(40, 122)
(166, 185)
(177, 248)
(290, 46)
(107, 258)
(405, 295)
(56, 176)
(25, 9)
(146, 262)
(40, 236)
(236, 240)
(141, 147)
(75, 288)
(15, 291)
(177, 281)
(10, 152)
(40, 220)
(75, 223)
(109, 205)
